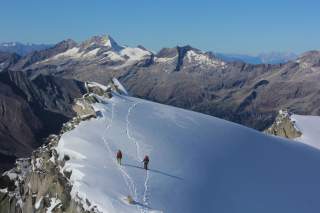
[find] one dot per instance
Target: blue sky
(232, 26)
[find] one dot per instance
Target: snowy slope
(309, 126)
(198, 163)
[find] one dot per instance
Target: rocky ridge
(38, 184)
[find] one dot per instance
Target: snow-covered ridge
(203, 59)
(309, 126)
(102, 49)
(198, 163)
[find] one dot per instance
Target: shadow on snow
(154, 171)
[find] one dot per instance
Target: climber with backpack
(119, 156)
(146, 162)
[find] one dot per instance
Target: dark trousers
(146, 166)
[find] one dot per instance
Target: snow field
(198, 163)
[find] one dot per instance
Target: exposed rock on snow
(198, 58)
(38, 184)
(302, 128)
(284, 126)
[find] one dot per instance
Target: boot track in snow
(128, 180)
(145, 197)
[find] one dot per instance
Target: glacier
(198, 163)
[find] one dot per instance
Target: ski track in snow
(145, 199)
(128, 180)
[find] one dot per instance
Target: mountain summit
(102, 41)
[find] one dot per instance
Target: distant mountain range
(21, 48)
(186, 77)
(263, 58)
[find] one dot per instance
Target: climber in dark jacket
(119, 156)
(146, 162)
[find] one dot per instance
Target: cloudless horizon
(229, 26)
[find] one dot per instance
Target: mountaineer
(119, 156)
(146, 162)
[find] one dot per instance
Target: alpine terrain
(188, 78)
(192, 107)
(198, 163)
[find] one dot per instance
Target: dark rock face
(31, 110)
(7, 60)
(35, 182)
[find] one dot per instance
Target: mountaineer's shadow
(140, 204)
(155, 171)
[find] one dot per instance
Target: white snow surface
(95, 84)
(166, 59)
(54, 203)
(72, 53)
(114, 56)
(310, 129)
(38, 203)
(198, 163)
(192, 56)
(91, 53)
(135, 54)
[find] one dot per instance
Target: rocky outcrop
(284, 126)
(38, 184)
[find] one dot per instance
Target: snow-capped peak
(108, 41)
(102, 41)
